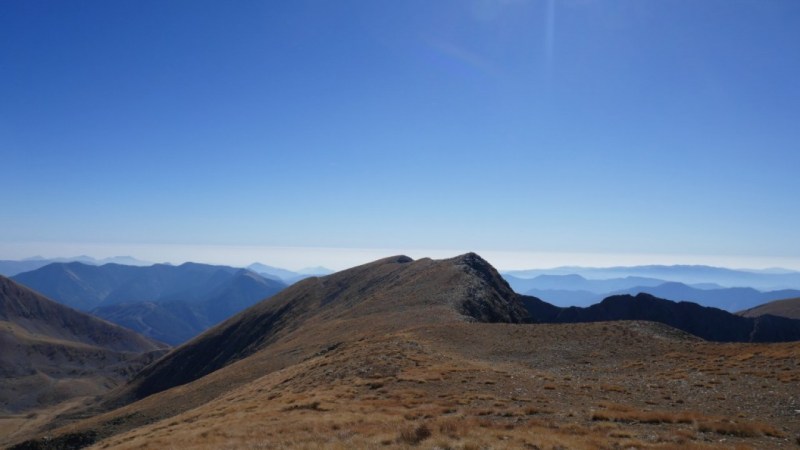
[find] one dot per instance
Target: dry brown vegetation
(504, 386)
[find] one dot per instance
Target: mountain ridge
(709, 323)
(348, 295)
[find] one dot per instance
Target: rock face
(51, 353)
(489, 297)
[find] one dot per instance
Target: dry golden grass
(415, 389)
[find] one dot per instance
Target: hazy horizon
(297, 258)
(534, 132)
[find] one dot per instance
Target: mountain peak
(397, 259)
(470, 258)
(478, 265)
(381, 296)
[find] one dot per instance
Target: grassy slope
(625, 384)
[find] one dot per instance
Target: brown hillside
(379, 297)
(789, 308)
(51, 354)
(45, 318)
(393, 354)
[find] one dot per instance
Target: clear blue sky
(572, 126)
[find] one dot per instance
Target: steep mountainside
(168, 303)
(789, 308)
(397, 352)
(51, 352)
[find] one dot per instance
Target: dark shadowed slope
(51, 352)
(729, 299)
(789, 308)
(708, 323)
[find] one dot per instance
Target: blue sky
(630, 127)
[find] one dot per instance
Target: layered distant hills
(577, 290)
(288, 276)
(51, 352)
(12, 267)
(168, 303)
(704, 276)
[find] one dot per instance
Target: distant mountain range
(287, 276)
(576, 290)
(770, 279)
(51, 352)
(10, 268)
(167, 303)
